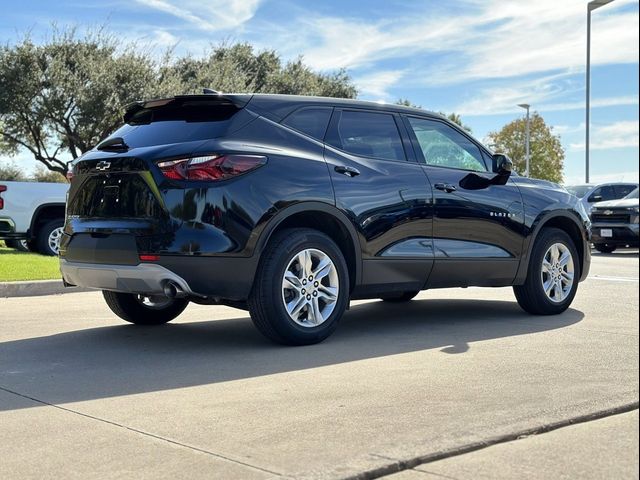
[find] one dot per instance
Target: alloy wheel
(310, 287)
(557, 274)
(54, 240)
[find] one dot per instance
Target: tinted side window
(313, 121)
(606, 192)
(624, 190)
(443, 146)
(368, 134)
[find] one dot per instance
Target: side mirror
(502, 165)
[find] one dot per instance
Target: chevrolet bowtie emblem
(102, 166)
(608, 212)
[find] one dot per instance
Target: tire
(20, 245)
(271, 290)
(130, 307)
(48, 238)
(603, 248)
(402, 297)
(531, 296)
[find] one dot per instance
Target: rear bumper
(8, 230)
(622, 234)
(111, 262)
(144, 278)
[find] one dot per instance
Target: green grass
(16, 265)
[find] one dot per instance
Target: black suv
(292, 206)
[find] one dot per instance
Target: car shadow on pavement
(127, 359)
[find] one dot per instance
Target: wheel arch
(326, 219)
(564, 220)
(44, 213)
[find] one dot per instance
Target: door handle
(446, 187)
(346, 170)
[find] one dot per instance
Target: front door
(477, 229)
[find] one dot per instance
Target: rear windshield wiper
(116, 144)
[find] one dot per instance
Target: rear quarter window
(368, 134)
(311, 121)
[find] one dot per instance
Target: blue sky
(479, 58)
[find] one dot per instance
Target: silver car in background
(590, 194)
(615, 223)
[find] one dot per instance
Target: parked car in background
(32, 214)
(591, 194)
(292, 206)
(615, 223)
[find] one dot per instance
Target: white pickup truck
(32, 214)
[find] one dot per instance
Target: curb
(36, 288)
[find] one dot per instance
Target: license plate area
(120, 195)
(116, 249)
(606, 233)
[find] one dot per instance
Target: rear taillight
(211, 167)
(3, 188)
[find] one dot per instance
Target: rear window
(161, 126)
(368, 134)
(313, 121)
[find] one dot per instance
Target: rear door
(477, 232)
(385, 194)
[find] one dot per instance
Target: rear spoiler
(211, 99)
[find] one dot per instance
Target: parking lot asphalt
(84, 395)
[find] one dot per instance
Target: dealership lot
(85, 395)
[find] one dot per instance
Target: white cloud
(539, 93)
(622, 134)
(503, 98)
(627, 100)
(208, 14)
(492, 39)
(377, 84)
(547, 35)
(603, 178)
(162, 38)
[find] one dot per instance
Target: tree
(43, 175)
(59, 99)
(453, 117)
(405, 102)
(238, 68)
(10, 172)
(457, 119)
(64, 96)
(547, 154)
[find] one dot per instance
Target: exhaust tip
(172, 290)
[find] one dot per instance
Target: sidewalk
(36, 288)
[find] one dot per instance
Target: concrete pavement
(206, 397)
(602, 449)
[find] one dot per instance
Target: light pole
(527, 139)
(591, 6)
